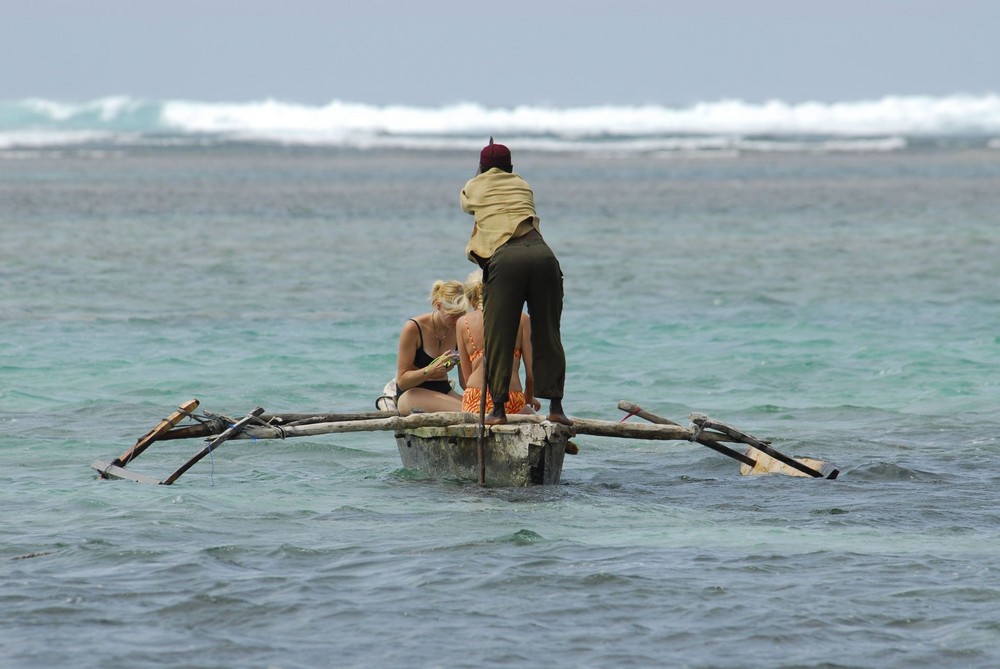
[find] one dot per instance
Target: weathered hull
(517, 455)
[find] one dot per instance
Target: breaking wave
(887, 124)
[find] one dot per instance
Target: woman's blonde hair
(474, 289)
(451, 295)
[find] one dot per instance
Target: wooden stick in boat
(481, 441)
(636, 410)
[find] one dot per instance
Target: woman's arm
(407, 374)
(465, 362)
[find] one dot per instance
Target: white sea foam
(106, 109)
(888, 116)
(727, 125)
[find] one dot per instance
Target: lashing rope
(627, 416)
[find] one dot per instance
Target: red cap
(495, 155)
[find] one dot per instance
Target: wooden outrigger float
(529, 450)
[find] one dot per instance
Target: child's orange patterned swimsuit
(471, 396)
(476, 353)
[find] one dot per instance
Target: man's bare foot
(496, 417)
(556, 414)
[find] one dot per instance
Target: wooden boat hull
(517, 455)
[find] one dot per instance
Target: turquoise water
(844, 306)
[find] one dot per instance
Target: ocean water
(837, 295)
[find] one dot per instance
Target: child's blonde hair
(474, 289)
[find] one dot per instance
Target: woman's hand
(439, 367)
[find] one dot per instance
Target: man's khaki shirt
(500, 202)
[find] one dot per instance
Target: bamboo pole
(396, 423)
(216, 424)
(303, 418)
(606, 428)
(598, 428)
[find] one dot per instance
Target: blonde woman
(471, 348)
(426, 354)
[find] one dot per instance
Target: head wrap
(495, 155)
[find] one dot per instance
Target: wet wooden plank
(110, 470)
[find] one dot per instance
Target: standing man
(518, 268)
